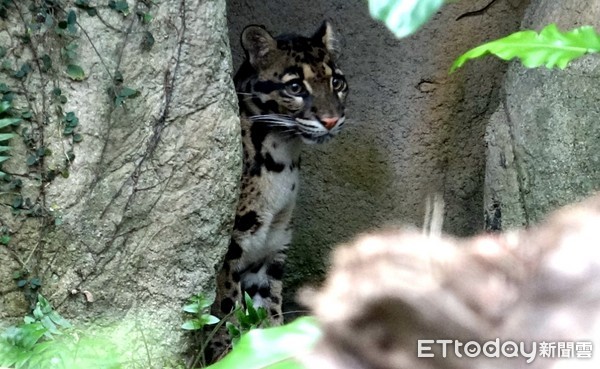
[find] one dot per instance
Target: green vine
(35, 69)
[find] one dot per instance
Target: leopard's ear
(258, 43)
(327, 37)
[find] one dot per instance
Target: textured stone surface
(412, 129)
(149, 203)
(544, 140)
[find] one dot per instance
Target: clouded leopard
(290, 91)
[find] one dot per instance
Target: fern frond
(551, 47)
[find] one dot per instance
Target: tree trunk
(544, 140)
(144, 216)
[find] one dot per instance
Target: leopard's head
(292, 83)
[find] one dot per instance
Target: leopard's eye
(295, 88)
(337, 83)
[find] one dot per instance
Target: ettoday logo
(497, 348)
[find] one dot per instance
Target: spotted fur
(290, 92)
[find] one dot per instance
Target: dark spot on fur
(293, 187)
(275, 271)
(252, 290)
(246, 221)
(226, 305)
(234, 294)
(235, 276)
(272, 165)
(256, 267)
(208, 354)
(273, 312)
(275, 299)
(226, 266)
(219, 344)
(264, 291)
(234, 251)
(227, 285)
(267, 87)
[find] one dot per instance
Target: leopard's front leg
(227, 293)
(263, 283)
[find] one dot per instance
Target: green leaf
(4, 105)
(550, 47)
(403, 17)
(49, 325)
(31, 334)
(70, 116)
(75, 72)
(71, 17)
(250, 310)
(46, 63)
(234, 332)
(120, 6)
(8, 122)
(4, 158)
(6, 136)
(23, 72)
(191, 308)
(147, 18)
(57, 318)
(35, 282)
(77, 137)
(148, 41)
(208, 319)
(128, 92)
(274, 348)
(17, 202)
(31, 160)
(192, 325)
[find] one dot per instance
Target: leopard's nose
(329, 123)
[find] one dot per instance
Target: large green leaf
(8, 121)
(273, 348)
(550, 47)
(403, 17)
(6, 136)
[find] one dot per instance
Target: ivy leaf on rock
(75, 72)
(120, 6)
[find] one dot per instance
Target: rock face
(412, 129)
(149, 202)
(544, 138)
